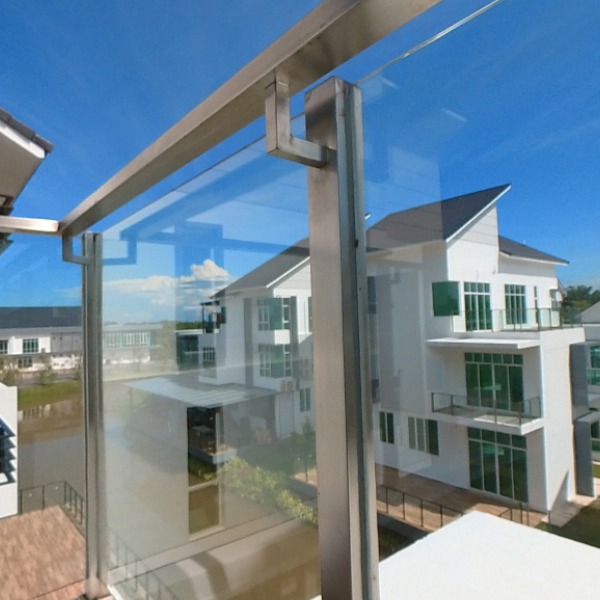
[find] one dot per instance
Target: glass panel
(505, 474)
(445, 298)
(475, 465)
(489, 468)
(520, 475)
(487, 385)
(42, 453)
(210, 442)
(501, 388)
(468, 142)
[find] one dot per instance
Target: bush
(266, 488)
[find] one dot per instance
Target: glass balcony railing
(534, 319)
(527, 319)
(499, 412)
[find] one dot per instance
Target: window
(445, 296)
(30, 346)
(495, 380)
(274, 313)
(423, 435)
(498, 463)
(305, 400)
(595, 357)
(3, 346)
(515, 303)
(478, 312)
(386, 427)
(555, 299)
(275, 360)
(209, 357)
(24, 362)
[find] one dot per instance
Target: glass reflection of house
(473, 406)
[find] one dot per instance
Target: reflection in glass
(210, 431)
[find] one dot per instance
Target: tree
(580, 297)
(46, 374)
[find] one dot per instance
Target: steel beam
(26, 225)
(334, 32)
(345, 462)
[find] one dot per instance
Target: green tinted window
(446, 298)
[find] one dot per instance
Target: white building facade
(480, 398)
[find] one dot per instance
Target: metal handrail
(530, 408)
(439, 509)
(73, 504)
(305, 51)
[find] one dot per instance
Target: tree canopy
(580, 297)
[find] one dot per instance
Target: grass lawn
(38, 395)
(585, 527)
(596, 469)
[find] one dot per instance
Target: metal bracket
(280, 141)
(68, 255)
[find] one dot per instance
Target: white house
(481, 397)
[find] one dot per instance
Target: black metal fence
(414, 510)
(61, 494)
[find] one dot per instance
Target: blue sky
(512, 97)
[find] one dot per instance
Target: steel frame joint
(280, 141)
(69, 255)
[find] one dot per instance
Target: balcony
(523, 415)
(534, 319)
(528, 319)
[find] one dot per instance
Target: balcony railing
(500, 412)
(534, 319)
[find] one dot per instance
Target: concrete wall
(558, 428)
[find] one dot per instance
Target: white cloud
(207, 271)
(152, 284)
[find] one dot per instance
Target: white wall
(9, 492)
(558, 427)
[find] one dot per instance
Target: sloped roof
(512, 248)
(270, 270)
(29, 317)
(432, 222)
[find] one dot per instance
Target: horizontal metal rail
(334, 32)
(429, 514)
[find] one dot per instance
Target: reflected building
(481, 396)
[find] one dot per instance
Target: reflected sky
(509, 97)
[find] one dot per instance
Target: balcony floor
(42, 556)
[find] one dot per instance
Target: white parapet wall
(9, 487)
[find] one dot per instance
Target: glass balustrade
(42, 506)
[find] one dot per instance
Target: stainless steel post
(95, 523)
(346, 468)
